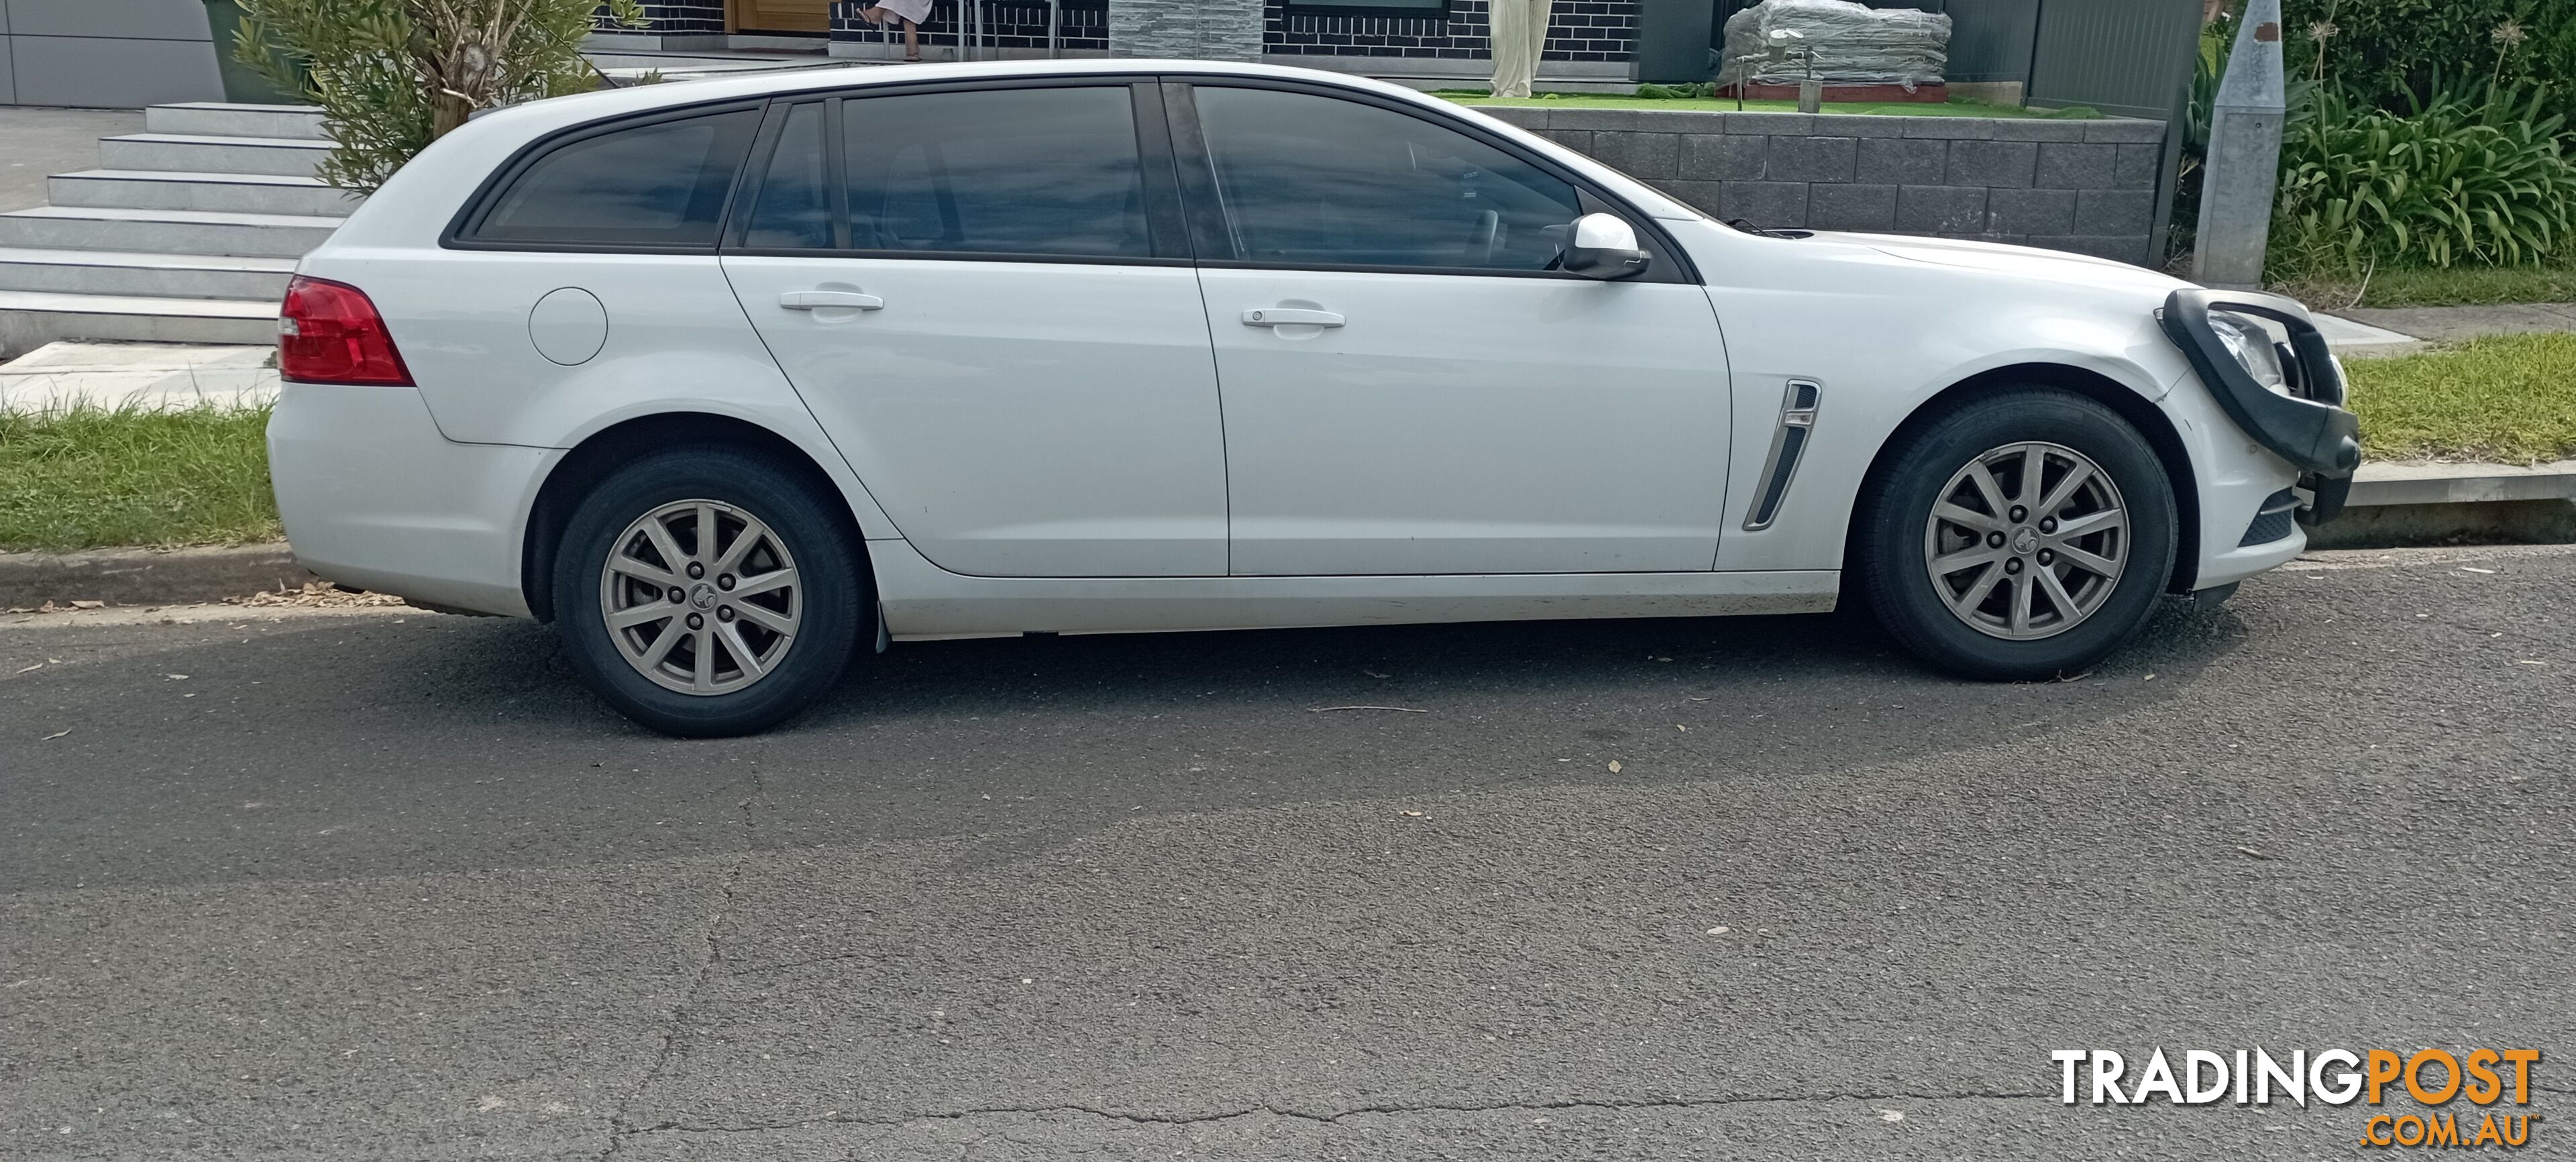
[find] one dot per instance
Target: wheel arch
(2140, 412)
(600, 453)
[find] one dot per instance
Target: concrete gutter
(2393, 504)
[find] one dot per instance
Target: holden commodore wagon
(736, 381)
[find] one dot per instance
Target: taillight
(328, 332)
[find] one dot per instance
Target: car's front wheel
(2023, 535)
(705, 592)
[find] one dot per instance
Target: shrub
(2457, 181)
(2396, 54)
(392, 76)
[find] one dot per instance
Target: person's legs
(911, 41)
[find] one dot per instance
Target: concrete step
(164, 231)
(31, 319)
(177, 276)
(192, 153)
(218, 119)
(233, 193)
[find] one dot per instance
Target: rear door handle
(1290, 317)
(827, 299)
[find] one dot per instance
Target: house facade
(1589, 42)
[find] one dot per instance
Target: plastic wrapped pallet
(1854, 45)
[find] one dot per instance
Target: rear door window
(1038, 172)
(661, 186)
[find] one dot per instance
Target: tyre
(704, 592)
(2025, 535)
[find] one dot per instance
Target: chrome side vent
(1797, 421)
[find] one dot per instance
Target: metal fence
(2131, 58)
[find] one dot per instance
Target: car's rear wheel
(2024, 535)
(704, 592)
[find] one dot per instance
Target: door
(1409, 385)
(814, 16)
(973, 292)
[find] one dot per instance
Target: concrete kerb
(147, 576)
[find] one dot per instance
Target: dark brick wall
(1579, 30)
(673, 18)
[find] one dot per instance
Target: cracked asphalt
(386, 884)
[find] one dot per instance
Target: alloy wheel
(701, 597)
(2026, 540)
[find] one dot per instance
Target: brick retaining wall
(2083, 186)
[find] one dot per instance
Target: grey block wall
(114, 54)
(2083, 186)
(1195, 29)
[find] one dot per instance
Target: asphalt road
(370, 884)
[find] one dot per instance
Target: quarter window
(660, 185)
(794, 210)
(1307, 180)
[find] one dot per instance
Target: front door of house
(782, 16)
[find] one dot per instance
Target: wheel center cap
(2025, 540)
(702, 596)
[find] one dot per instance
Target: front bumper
(373, 497)
(2311, 429)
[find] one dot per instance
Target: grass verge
(2509, 398)
(2460, 286)
(1954, 108)
(91, 477)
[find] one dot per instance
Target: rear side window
(1049, 172)
(660, 185)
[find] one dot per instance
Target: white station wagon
(735, 380)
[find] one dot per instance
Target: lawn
(1953, 108)
(2509, 398)
(90, 477)
(2460, 286)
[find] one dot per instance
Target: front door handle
(830, 299)
(1290, 317)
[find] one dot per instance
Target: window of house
(661, 184)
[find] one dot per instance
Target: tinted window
(795, 205)
(662, 184)
(1006, 171)
(1309, 180)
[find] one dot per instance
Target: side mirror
(1605, 247)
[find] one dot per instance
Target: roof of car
(556, 112)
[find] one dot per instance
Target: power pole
(2243, 170)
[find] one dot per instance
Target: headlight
(2251, 344)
